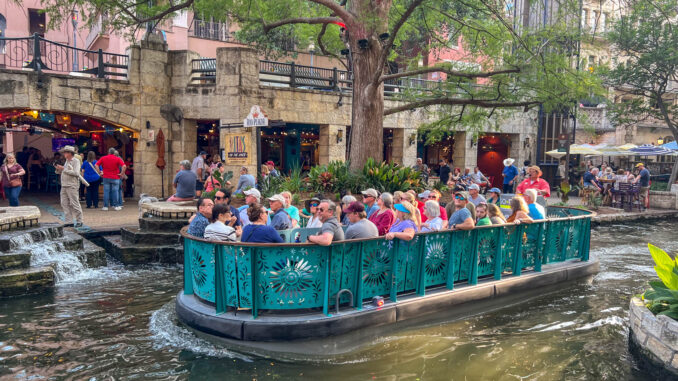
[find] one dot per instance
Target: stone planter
(654, 339)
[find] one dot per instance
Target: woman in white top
(314, 221)
(222, 227)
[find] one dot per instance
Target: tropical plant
(222, 178)
(564, 191)
(387, 177)
(440, 187)
(270, 185)
(662, 298)
(294, 183)
(320, 179)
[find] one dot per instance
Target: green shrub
(662, 299)
(270, 185)
(387, 177)
(659, 186)
(440, 187)
(294, 183)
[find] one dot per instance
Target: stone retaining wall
(654, 337)
(663, 200)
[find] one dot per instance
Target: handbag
(95, 170)
(13, 182)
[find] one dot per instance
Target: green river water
(119, 323)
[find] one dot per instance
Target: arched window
(3, 25)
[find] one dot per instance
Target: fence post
(335, 79)
(101, 70)
(450, 263)
(293, 75)
(37, 56)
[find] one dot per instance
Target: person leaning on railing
(360, 226)
(223, 226)
(519, 211)
(495, 214)
(331, 229)
(406, 222)
(482, 219)
(384, 217)
(461, 218)
(433, 222)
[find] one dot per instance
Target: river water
(119, 323)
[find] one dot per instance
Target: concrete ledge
(19, 217)
(171, 210)
(654, 340)
(275, 326)
(651, 214)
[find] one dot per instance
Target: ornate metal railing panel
(301, 276)
(204, 71)
(39, 54)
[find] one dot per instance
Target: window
(591, 63)
(36, 22)
(594, 21)
(3, 26)
(210, 30)
(603, 22)
(584, 18)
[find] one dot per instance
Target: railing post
(394, 270)
(293, 75)
(450, 263)
(518, 260)
(188, 272)
(37, 56)
(335, 79)
(539, 248)
(421, 266)
(101, 70)
(473, 270)
(220, 294)
(326, 282)
(358, 297)
(254, 253)
(498, 257)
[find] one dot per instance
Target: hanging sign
(237, 149)
(256, 118)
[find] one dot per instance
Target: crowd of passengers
(398, 215)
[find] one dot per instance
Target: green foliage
(662, 298)
(439, 186)
(222, 179)
(320, 179)
(388, 177)
(270, 185)
(659, 186)
(564, 191)
(294, 183)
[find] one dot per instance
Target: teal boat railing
(304, 276)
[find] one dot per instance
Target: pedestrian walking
(11, 178)
(70, 186)
(92, 174)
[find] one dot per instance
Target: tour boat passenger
(223, 226)
(494, 197)
(482, 219)
(519, 211)
(280, 219)
(257, 231)
(433, 222)
(370, 200)
(330, 230)
(474, 195)
(537, 211)
(345, 202)
(406, 223)
(360, 226)
(495, 214)
(291, 210)
(197, 227)
(461, 218)
(384, 217)
(410, 196)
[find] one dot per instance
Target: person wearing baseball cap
(474, 194)
(509, 174)
(360, 226)
(252, 196)
(280, 219)
(370, 196)
(461, 218)
(534, 181)
(644, 180)
(494, 197)
(271, 169)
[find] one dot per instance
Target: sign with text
(256, 118)
(237, 148)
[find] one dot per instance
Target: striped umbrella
(650, 150)
(671, 145)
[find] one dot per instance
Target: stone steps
(36, 234)
(33, 280)
(134, 254)
(164, 225)
(12, 261)
(144, 237)
(92, 255)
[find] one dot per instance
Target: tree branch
(325, 51)
(300, 20)
(455, 73)
(338, 10)
(155, 17)
(484, 103)
(386, 48)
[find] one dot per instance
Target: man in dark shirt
(223, 196)
(280, 219)
(331, 229)
(644, 180)
(444, 171)
(590, 180)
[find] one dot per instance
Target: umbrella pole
(162, 181)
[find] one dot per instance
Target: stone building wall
(654, 337)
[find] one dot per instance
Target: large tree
(515, 68)
(646, 40)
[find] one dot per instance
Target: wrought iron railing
(210, 30)
(39, 54)
(299, 276)
(306, 77)
(204, 71)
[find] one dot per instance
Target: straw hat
(70, 149)
(509, 162)
(536, 168)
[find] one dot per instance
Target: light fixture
(413, 138)
(660, 141)
(340, 136)
(148, 124)
(363, 43)
(378, 301)
(474, 143)
(526, 143)
(384, 36)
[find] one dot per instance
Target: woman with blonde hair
(397, 197)
(411, 198)
(292, 210)
(519, 211)
(495, 214)
(406, 224)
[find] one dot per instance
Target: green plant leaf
(664, 267)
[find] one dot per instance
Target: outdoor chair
(619, 195)
(52, 183)
(634, 198)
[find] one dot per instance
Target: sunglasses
(321, 209)
(458, 197)
(314, 205)
(432, 196)
(219, 198)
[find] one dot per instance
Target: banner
(238, 149)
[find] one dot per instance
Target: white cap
(370, 192)
(277, 197)
(253, 192)
(424, 194)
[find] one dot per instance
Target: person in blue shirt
(91, 173)
(245, 181)
(202, 218)
(509, 173)
(461, 218)
(280, 219)
(257, 231)
(590, 180)
(644, 180)
(536, 211)
(370, 200)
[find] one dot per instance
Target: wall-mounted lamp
(363, 43)
(148, 124)
(474, 143)
(660, 141)
(340, 136)
(526, 143)
(413, 138)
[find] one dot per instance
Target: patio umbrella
(650, 150)
(574, 150)
(160, 163)
(627, 146)
(671, 145)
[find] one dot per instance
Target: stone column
(405, 153)
(330, 149)
(150, 79)
(464, 154)
(181, 62)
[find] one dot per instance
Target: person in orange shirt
(534, 181)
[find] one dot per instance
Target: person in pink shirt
(384, 217)
(534, 181)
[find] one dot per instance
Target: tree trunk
(367, 122)
(674, 131)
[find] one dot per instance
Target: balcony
(95, 32)
(209, 30)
